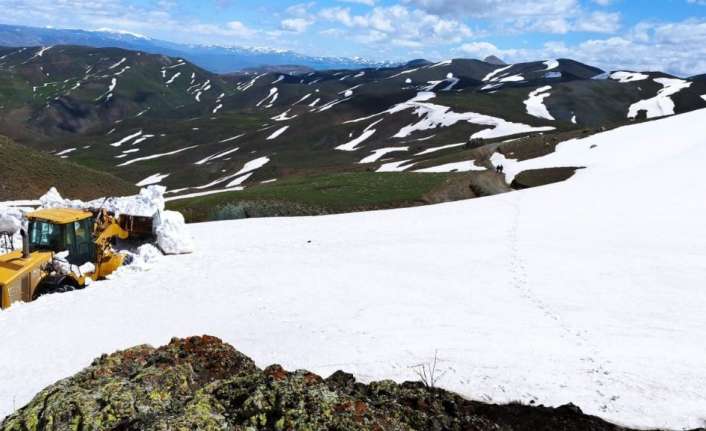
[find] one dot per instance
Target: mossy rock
(201, 383)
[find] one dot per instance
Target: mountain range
(155, 119)
(214, 58)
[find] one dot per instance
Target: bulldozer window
(45, 236)
(85, 249)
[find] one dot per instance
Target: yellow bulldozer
(43, 266)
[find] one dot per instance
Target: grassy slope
(28, 174)
(321, 194)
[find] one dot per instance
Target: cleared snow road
(590, 291)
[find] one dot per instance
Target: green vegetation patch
(28, 174)
(321, 194)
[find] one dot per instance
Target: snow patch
(625, 77)
(270, 99)
(283, 116)
(513, 78)
(441, 148)
(551, 65)
(277, 133)
(353, 144)
(433, 116)
(126, 139)
(217, 155)
(306, 96)
(535, 103)
(404, 72)
(400, 166)
(156, 156)
(380, 153)
(466, 166)
(65, 152)
(496, 72)
(152, 179)
(662, 104)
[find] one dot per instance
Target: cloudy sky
(667, 35)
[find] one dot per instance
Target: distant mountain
(418, 63)
(217, 59)
(494, 60)
(288, 69)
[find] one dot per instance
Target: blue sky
(668, 35)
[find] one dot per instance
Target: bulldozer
(65, 249)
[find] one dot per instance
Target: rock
(202, 383)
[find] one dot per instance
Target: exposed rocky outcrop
(202, 383)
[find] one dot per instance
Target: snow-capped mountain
(217, 59)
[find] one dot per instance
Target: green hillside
(28, 174)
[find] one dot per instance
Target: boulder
(202, 383)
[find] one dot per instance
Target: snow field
(539, 295)
(536, 295)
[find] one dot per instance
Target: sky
(667, 35)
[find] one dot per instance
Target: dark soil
(542, 177)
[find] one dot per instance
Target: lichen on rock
(201, 383)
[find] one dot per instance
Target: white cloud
(365, 2)
(678, 48)
(599, 22)
(297, 25)
(497, 8)
(401, 25)
(521, 16)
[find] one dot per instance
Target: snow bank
(147, 203)
(142, 259)
(10, 220)
(172, 234)
(169, 227)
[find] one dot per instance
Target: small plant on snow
(428, 372)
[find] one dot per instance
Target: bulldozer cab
(59, 230)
